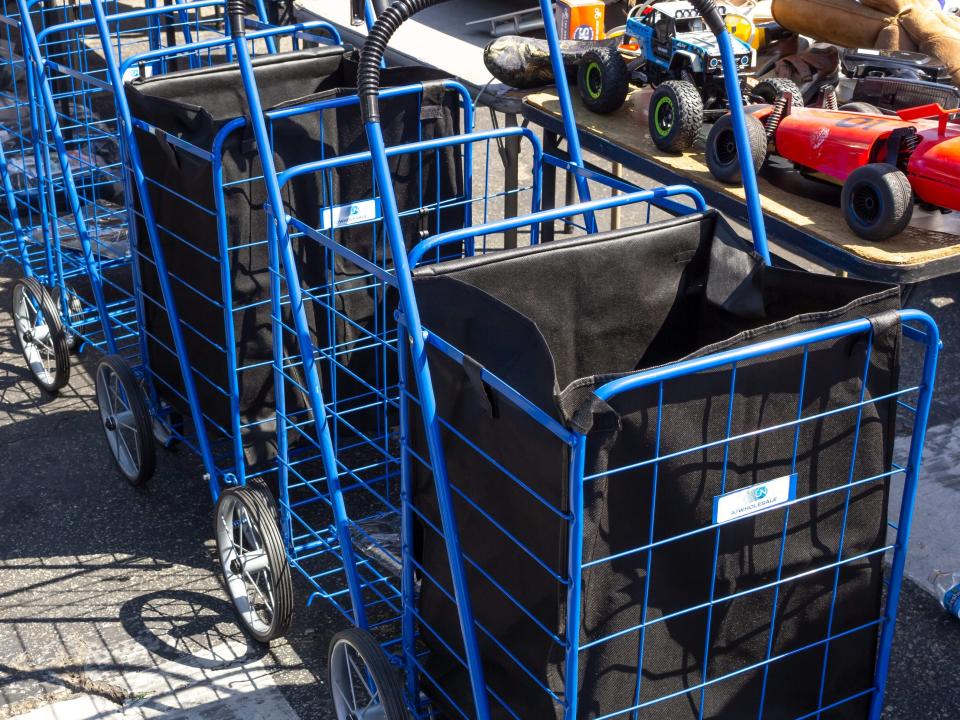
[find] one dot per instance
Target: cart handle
(306, 28)
(660, 193)
(929, 333)
(127, 15)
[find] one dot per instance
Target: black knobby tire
(771, 89)
(47, 352)
(861, 107)
(241, 516)
(119, 393)
(877, 201)
(675, 115)
(603, 80)
(384, 676)
(723, 157)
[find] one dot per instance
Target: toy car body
(884, 163)
(893, 63)
(674, 43)
(895, 80)
(670, 46)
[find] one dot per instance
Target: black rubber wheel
(355, 662)
(40, 332)
(861, 107)
(722, 156)
(877, 201)
(265, 492)
(125, 419)
(771, 89)
(603, 80)
(253, 563)
(675, 115)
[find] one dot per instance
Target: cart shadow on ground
(112, 593)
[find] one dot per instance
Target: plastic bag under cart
(558, 321)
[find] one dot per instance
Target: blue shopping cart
(638, 473)
(63, 180)
(157, 394)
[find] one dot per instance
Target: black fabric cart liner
(556, 322)
(195, 105)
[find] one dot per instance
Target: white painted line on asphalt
(183, 690)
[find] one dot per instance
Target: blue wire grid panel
(699, 538)
(200, 257)
(70, 192)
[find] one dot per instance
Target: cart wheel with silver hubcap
(254, 566)
(126, 422)
(364, 684)
(40, 332)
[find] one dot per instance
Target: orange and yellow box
(580, 19)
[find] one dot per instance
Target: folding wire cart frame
(140, 388)
(70, 213)
(311, 503)
(369, 562)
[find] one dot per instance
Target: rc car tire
(861, 107)
(675, 115)
(877, 201)
(603, 80)
(723, 158)
(771, 89)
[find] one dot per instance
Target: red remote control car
(883, 162)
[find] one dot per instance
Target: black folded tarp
(558, 321)
(195, 106)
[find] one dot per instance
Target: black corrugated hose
(236, 12)
(368, 74)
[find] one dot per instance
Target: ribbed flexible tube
(708, 9)
(236, 11)
(368, 74)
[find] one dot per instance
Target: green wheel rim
(594, 77)
(664, 102)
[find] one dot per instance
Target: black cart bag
(556, 322)
(196, 106)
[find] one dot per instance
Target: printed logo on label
(754, 499)
(584, 32)
(346, 215)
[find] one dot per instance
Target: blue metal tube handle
(159, 258)
(70, 186)
(235, 9)
(368, 89)
(708, 9)
(566, 107)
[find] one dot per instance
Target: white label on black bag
(754, 499)
(354, 214)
